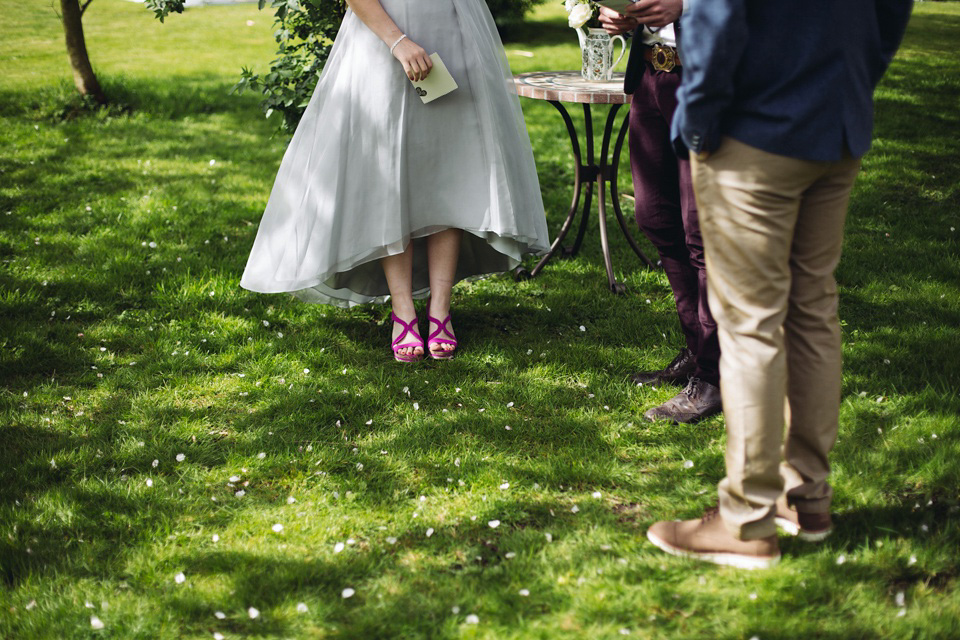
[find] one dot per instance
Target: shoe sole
(726, 559)
(653, 417)
(793, 529)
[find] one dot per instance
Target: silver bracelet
(399, 40)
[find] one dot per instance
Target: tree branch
(84, 7)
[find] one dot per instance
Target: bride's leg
(399, 272)
(443, 251)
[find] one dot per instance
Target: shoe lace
(693, 388)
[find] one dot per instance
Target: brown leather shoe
(811, 527)
(708, 539)
(697, 401)
(677, 372)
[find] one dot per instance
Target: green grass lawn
(157, 422)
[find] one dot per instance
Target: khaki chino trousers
(773, 230)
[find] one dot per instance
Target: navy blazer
(790, 77)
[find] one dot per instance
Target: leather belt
(662, 58)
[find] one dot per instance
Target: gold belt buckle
(664, 58)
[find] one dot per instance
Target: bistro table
(557, 87)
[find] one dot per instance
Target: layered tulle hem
(359, 279)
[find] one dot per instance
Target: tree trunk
(83, 75)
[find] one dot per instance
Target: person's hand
(655, 13)
(416, 63)
(616, 24)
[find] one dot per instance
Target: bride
(380, 196)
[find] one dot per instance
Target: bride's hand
(416, 63)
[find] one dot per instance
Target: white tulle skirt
(371, 168)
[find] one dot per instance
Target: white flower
(180, 578)
(277, 528)
(96, 623)
(493, 524)
(348, 593)
(473, 619)
(579, 16)
(253, 612)
(302, 607)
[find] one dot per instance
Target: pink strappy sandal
(433, 339)
(398, 344)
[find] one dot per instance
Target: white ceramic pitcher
(596, 45)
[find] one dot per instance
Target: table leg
(589, 173)
(602, 178)
(578, 180)
(615, 195)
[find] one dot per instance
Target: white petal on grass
(912, 560)
(277, 528)
(493, 524)
(524, 592)
(180, 578)
(291, 499)
(548, 536)
(261, 455)
(901, 599)
(337, 548)
(181, 457)
(347, 593)
(455, 610)
(473, 619)
(149, 482)
(902, 613)
(155, 463)
(218, 636)
(429, 532)
(96, 623)
(841, 559)
(574, 509)
(416, 406)
(215, 538)
(31, 605)
(505, 486)
(302, 608)
(253, 612)
(510, 555)
(391, 540)
(597, 495)
(688, 464)
(219, 615)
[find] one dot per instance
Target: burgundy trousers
(666, 212)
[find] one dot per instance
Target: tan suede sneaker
(811, 527)
(708, 539)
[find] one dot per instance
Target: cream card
(438, 84)
(616, 5)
